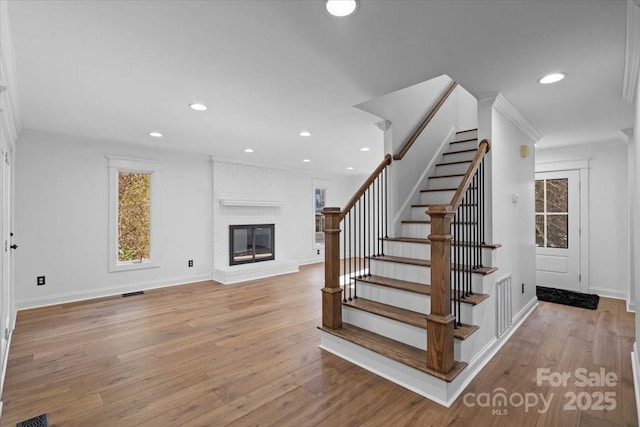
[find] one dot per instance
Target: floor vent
(39, 421)
(130, 294)
(503, 309)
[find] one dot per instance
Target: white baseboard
(609, 293)
(635, 366)
(631, 306)
(105, 292)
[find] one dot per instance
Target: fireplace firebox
(251, 243)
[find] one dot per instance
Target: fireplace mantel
(254, 203)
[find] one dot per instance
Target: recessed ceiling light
(306, 161)
(350, 168)
(552, 78)
(341, 7)
(198, 107)
(304, 133)
(248, 150)
(365, 149)
(155, 134)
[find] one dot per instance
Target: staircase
(387, 290)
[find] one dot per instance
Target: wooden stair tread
(453, 163)
(418, 288)
(454, 175)
(467, 130)
(438, 189)
(474, 299)
(416, 221)
(427, 263)
(404, 260)
(395, 350)
(407, 240)
(468, 150)
(463, 140)
(428, 242)
(402, 315)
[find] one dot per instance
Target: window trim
(154, 168)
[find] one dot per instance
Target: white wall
(608, 228)
(405, 109)
(61, 224)
(294, 217)
(513, 223)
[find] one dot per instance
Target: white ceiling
(267, 69)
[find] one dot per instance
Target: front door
(558, 230)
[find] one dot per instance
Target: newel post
(440, 322)
(331, 293)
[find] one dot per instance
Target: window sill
(127, 266)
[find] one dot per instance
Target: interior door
(5, 263)
(558, 230)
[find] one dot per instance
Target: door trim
(581, 165)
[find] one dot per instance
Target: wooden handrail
(483, 148)
(385, 162)
(416, 133)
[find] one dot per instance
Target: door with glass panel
(558, 230)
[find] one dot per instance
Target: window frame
(154, 169)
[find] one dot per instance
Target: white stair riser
(419, 231)
(436, 197)
(419, 214)
(466, 135)
(467, 145)
(396, 297)
(451, 169)
(400, 271)
(408, 334)
(411, 301)
(408, 250)
(444, 182)
(420, 274)
(457, 157)
(485, 317)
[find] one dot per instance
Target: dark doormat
(560, 296)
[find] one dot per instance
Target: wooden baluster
(440, 322)
(332, 293)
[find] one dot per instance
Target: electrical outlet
(523, 288)
(190, 263)
(40, 281)
(318, 252)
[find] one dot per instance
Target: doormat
(574, 299)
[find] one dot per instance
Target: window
(134, 209)
(552, 213)
(319, 196)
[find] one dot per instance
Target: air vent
(130, 294)
(39, 421)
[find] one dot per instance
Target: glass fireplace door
(251, 243)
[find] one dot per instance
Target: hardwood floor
(247, 354)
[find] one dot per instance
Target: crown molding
(384, 125)
(632, 52)
(9, 114)
(500, 103)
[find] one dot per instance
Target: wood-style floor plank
(206, 354)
